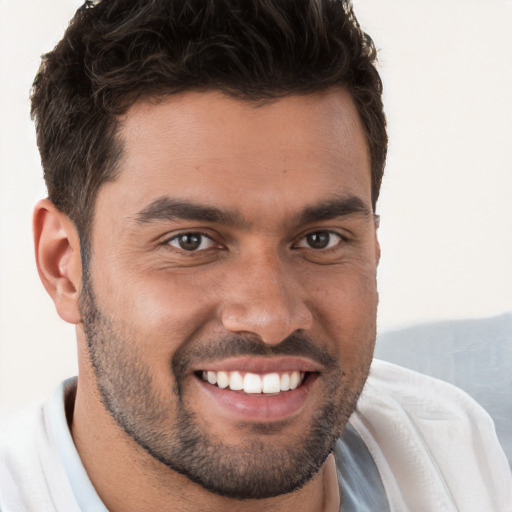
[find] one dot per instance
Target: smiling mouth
(254, 383)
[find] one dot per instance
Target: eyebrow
(166, 208)
(338, 207)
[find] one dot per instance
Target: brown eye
(191, 242)
(320, 240)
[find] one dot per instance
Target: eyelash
(342, 239)
(204, 237)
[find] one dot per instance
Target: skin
(258, 278)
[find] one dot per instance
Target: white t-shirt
(413, 444)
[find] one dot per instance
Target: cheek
(345, 306)
(345, 296)
(162, 311)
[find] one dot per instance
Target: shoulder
(420, 395)
(432, 442)
(32, 474)
(19, 432)
(19, 460)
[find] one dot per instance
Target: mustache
(297, 344)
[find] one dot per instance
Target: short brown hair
(116, 51)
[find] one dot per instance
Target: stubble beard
(165, 426)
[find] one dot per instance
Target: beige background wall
(446, 210)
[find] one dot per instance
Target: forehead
(210, 148)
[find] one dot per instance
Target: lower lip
(258, 407)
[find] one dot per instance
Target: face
(230, 300)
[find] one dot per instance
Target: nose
(267, 300)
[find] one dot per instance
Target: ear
(57, 248)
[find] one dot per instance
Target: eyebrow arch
(166, 208)
(332, 208)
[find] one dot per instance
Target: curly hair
(117, 51)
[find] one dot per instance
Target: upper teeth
(255, 383)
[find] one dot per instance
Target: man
(213, 170)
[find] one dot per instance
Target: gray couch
(475, 355)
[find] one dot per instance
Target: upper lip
(254, 364)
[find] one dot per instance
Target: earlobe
(57, 251)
